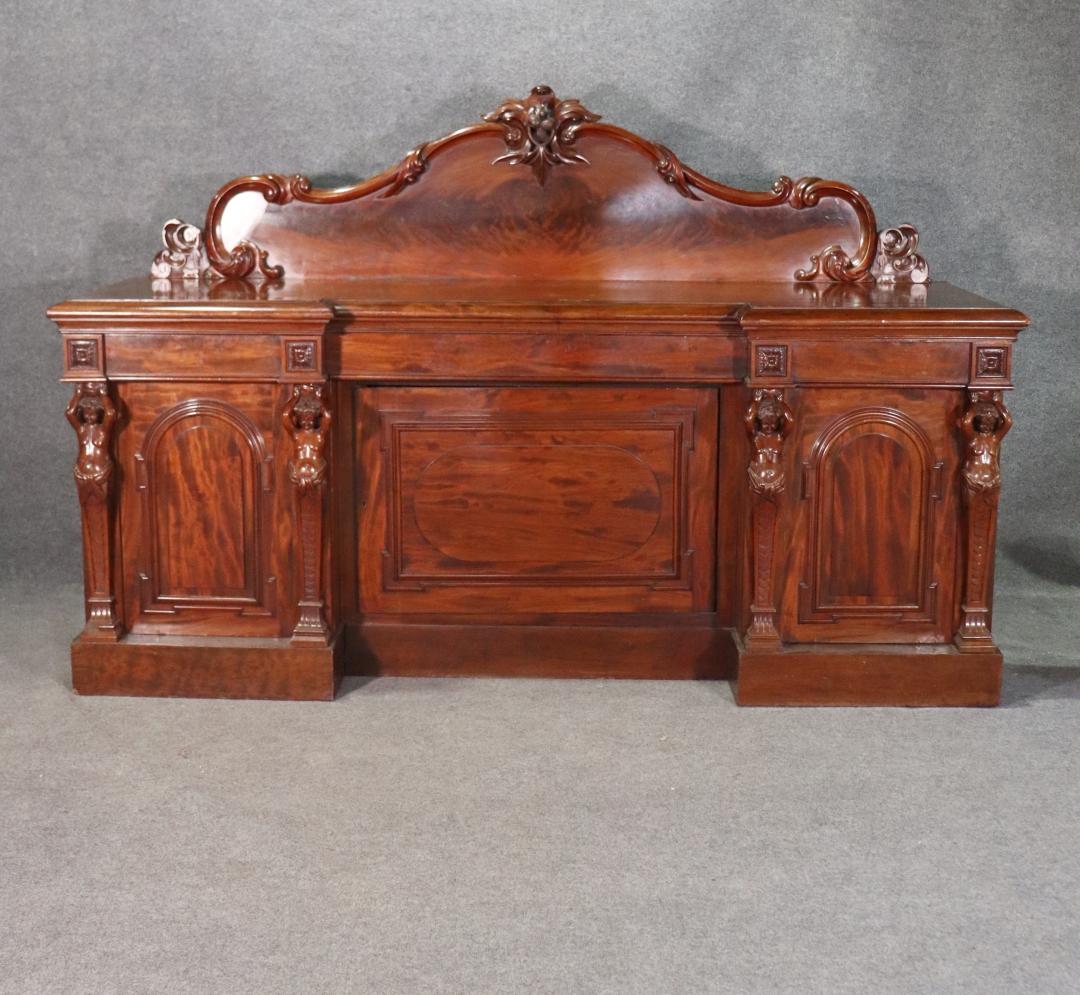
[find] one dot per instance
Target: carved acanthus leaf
(540, 130)
(182, 255)
(897, 260)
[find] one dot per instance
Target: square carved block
(992, 364)
(302, 356)
(83, 357)
(771, 361)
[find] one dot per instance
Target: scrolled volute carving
(897, 260)
(182, 255)
(768, 421)
(984, 424)
(833, 262)
(540, 130)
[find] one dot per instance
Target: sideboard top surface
(863, 305)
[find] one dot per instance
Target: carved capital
(540, 130)
(984, 424)
(93, 415)
(897, 260)
(768, 422)
(307, 420)
(182, 255)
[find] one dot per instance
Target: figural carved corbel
(897, 260)
(768, 421)
(540, 130)
(182, 256)
(93, 416)
(307, 420)
(984, 424)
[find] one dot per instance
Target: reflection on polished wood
(539, 400)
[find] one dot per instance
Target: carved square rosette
(84, 357)
(771, 361)
(301, 357)
(991, 364)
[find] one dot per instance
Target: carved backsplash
(449, 209)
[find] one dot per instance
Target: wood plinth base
(867, 675)
(649, 652)
(205, 667)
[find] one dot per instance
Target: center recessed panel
(506, 504)
(536, 499)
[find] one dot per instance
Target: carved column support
(307, 420)
(984, 424)
(93, 416)
(768, 421)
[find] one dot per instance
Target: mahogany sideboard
(540, 400)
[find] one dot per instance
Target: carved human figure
(984, 425)
(768, 421)
(92, 414)
(308, 420)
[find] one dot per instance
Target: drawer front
(537, 499)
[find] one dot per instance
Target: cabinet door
(874, 521)
(535, 499)
(201, 492)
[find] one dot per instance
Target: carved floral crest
(540, 130)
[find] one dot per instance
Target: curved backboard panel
(542, 190)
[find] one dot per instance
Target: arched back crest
(541, 189)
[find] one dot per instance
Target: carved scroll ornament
(540, 132)
(983, 425)
(307, 420)
(768, 422)
(897, 260)
(93, 415)
(182, 256)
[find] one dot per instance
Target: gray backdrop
(960, 117)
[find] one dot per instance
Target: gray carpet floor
(540, 836)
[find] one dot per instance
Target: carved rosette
(897, 260)
(540, 130)
(93, 415)
(307, 420)
(768, 422)
(182, 255)
(984, 424)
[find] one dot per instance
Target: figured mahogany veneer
(541, 400)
